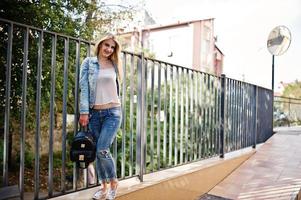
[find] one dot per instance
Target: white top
(106, 88)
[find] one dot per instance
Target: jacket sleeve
(84, 87)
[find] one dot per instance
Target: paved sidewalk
(274, 172)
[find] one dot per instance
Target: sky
(242, 28)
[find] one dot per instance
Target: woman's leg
(91, 174)
(102, 192)
(95, 124)
(110, 126)
(114, 183)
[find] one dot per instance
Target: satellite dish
(279, 40)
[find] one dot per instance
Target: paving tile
(212, 197)
(273, 172)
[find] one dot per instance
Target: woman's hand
(84, 119)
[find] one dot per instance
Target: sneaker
(111, 194)
(99, 194)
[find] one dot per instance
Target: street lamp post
(278, 42)
(273, 72)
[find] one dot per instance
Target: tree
(290, 108)
(293, 90)
(77, 18)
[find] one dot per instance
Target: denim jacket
(87, 83)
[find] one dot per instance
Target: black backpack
(83, 148)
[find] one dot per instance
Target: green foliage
(57, 159)
(287, 109)
(198, 128)
(84, 19)
(81, 19)
(293, 90)
(29, 159)
(73, 18)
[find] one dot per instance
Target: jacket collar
(94, 59)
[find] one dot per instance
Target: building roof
(159, 27)
(179, 23)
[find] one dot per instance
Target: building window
(205, 47)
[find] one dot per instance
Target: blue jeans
(104, 125)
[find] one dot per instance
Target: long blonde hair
(115, 57)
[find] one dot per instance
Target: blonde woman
(100, 108)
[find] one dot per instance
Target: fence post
(222, 123)
(7, 104)
(255, 120)
(140, 127)
(289, 111)
(23, 112)
(143, 133)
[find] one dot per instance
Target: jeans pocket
(116, 112)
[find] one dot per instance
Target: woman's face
(107, 48)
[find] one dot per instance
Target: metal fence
(172, 115)
(287, 111)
